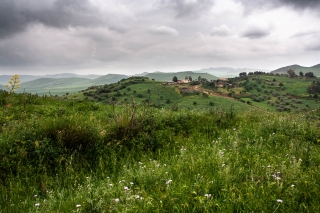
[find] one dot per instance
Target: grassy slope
(295, 89)
(186, 161)
(160, 94)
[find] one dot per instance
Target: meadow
(83, 156)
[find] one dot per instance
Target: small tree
(301, 74)
(291, 73)
(242, 74)
(14, 83)
(175, 79)
(190, 78)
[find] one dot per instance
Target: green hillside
(143, 91)
(60, 86)
(81, 156)
(297, 68)
(160, 76)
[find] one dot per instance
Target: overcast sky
(135, 36)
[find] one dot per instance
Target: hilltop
(162, 76)
(297, 68)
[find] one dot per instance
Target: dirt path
(211, 93)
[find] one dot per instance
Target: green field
(82, 156)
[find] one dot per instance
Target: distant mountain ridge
(24, 78)
(297, 68)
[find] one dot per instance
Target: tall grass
(79, 157)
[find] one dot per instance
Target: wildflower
(37, 204)
(116, 200)
(164, 164)
(278, 178)
(78, 205)
(234, 129)
(268, 166)
(126, 188)
(110, 184)
(183, 149)
(207, 195)
(292, 186)
(168, 182)
(131, 183)
(223, 165)
(279, 201)
(35, 196)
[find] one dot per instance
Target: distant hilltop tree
(242, 74)
(175, 79)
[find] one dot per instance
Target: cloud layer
(127, 36)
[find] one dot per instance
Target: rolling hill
(297, 68)
(59, 86)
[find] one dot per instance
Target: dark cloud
(255, 33)
(16, 16)
(188, 8)
(300, 3)
(252, 5)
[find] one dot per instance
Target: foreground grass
(83, 157)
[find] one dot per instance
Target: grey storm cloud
(16, 16)
(188, 8)
(297, 4)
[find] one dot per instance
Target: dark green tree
(175, 79)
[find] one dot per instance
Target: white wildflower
(78, 205)
(279, 201)
(168, 182)
(207, 195)
(37, 204)
(116, 200)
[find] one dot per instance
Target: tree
(14, 83)
(314, 87)
(175, 79)
(301, 74)
(190, 78)
(291, 73)
(309, 75)
(242, 74)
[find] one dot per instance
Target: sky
(135, 36)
